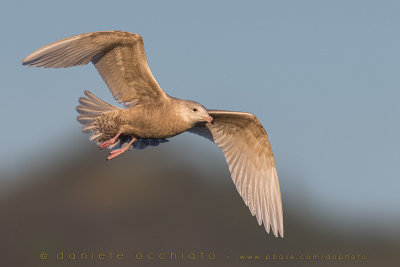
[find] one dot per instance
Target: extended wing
(244, 142)
(118, 56)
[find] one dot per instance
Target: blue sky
(321, 76)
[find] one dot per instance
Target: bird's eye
(195, 109)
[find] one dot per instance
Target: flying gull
(151, 116)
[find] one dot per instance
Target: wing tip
(26, 61)
(281, 233)
(277, 233)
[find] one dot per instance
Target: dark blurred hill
(154, 201)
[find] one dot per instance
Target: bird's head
(194, 112)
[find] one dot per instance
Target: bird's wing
(118, 56)
(244, 142)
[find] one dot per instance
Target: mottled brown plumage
(152, 116)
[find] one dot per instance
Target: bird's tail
(90, 108)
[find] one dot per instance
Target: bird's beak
(208, 118)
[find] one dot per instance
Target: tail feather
(89, 108)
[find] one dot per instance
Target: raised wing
(118, 56)
(244, 142)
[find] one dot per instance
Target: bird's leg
(110, 141)
(117, 152)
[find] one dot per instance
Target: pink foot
(111, 141)
(115, 153)
(107, 143)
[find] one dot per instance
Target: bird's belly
(149, 129)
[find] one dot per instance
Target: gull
(151, 116)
